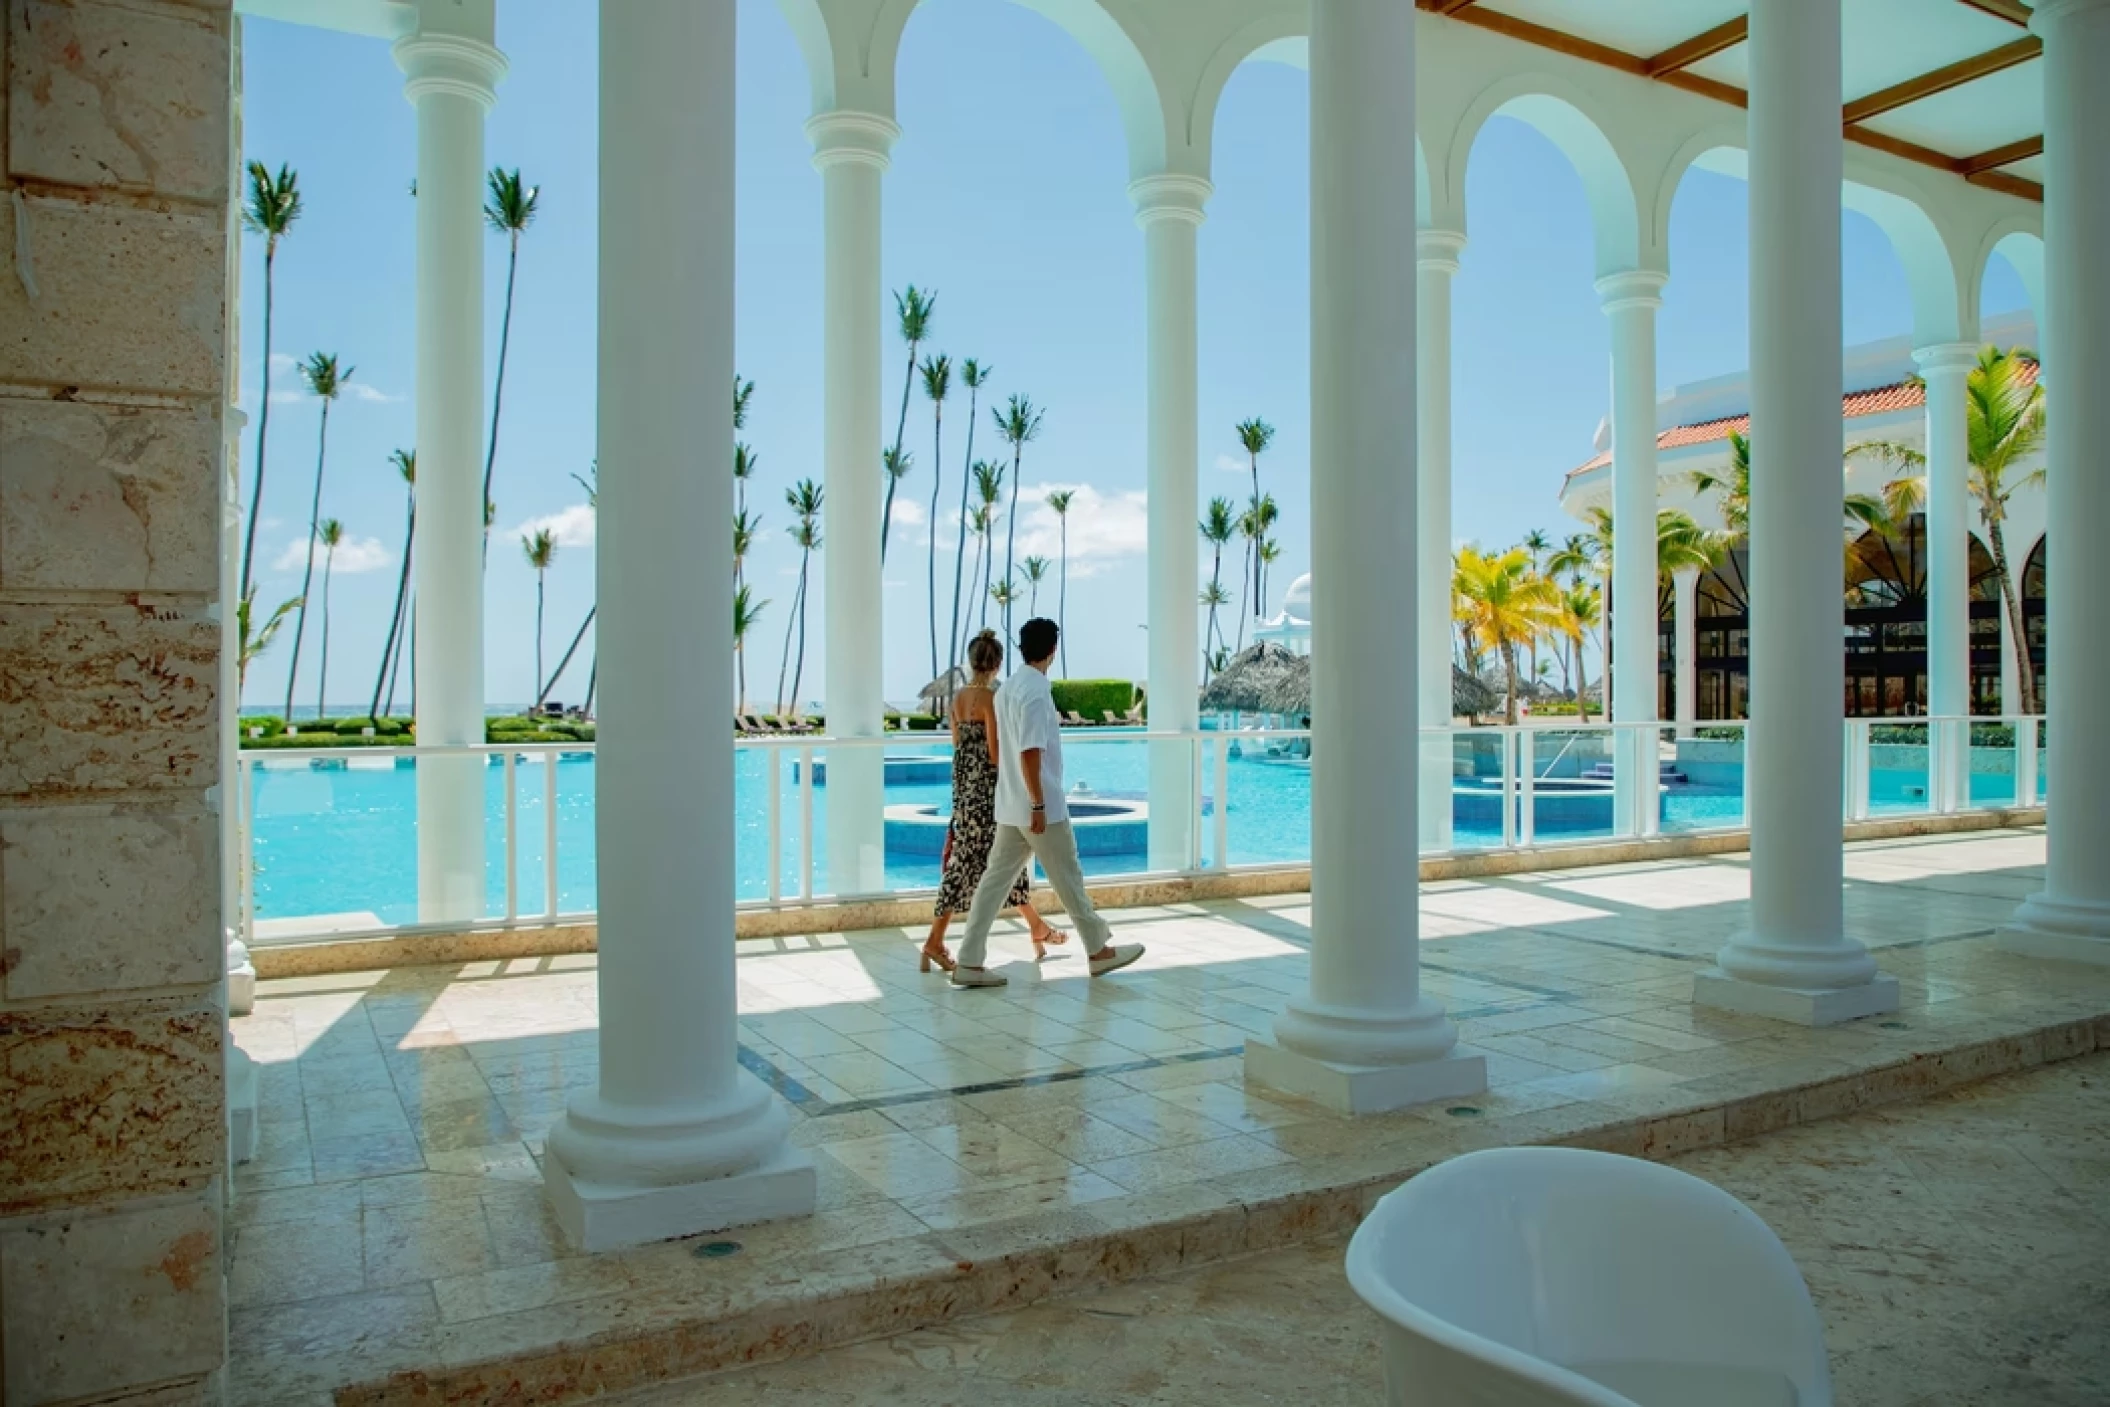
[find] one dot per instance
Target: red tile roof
(1904, 395)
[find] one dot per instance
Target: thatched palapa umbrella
(1470, 697)
(1248, 681)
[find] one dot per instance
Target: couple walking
(1007, 811)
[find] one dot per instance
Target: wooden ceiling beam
(1941, 80)
(2013, 11)
(2008, 185)
(1679, 57)
(2003, 156)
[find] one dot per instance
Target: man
(1032, 818)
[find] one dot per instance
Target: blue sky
(1007, 196)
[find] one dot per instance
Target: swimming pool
(339, 835)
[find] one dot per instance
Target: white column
(1363, 1039)
(1630, 302)
(1795, 962)
(2071, 917)
(1170, 209)
(451, 75)
(850, 151)
(1944, 367)
(676, 1138)
(1436, 265)
(1685, 592)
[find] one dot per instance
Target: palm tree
(271, 210)
(1680, 543)
(937, 382)
(805, 499)
(590, 482)
(331, 536)
(989, 486)
(1537, 544)
(406, 462)
(325, 382)
(1218, 527)
(540, 548)
(976, 527)
(1732, 492)
(1255, 435)
(743, 393)
(973, 374)
(1269, 551)
(747, 613)
(1035, 568)
(1580, 613)
(1059, 501)
(1019, 423)
(2004, 425)
(1253, 525)
(914, 310)
(253, 643)
(745, 463)
(1506, 604)
(1213, 595)
(1003, 594)
(509, 210)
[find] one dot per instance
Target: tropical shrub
(1092, 697)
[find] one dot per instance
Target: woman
(974, 810)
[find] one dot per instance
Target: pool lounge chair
(1076, 719)
(1113, 720)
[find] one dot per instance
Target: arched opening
(2033, 594)
(1886, 624)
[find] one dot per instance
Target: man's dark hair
(1036, 639)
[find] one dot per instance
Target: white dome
(1296, 602)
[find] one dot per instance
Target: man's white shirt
(1026, 719)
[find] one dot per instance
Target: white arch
(1144, 112)
(2020, 240)
(1943, 307)
(1565, 116)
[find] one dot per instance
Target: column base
(2063, 929)
(602, 1217)
(242, 1131)
(1804, 1006)
(1364, 1089)
(241, 979)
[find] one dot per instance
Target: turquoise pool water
(340, 836)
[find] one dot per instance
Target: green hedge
(1092, 697)
(317, 740)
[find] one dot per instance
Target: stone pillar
(676, 1138)
(1944, 368)
(451, 73)
(1170, 209)
(1685, 592)
(2071, 917)
(115, 381)
(1436, 265)
(1796, 962)
(1363, 1038)
(850, 151)
(1630, 302)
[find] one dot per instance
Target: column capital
(450, 65)
(1170, 196)
(1437, 250)
(1632, 288)
(857, 138)
(1958, 357)
(2045, 11)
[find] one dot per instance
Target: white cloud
(1232, 465)
(1103, 527)
(572, 527)
(372, 395)
(354, 556)
(908, 513)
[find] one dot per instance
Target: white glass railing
(328, 836)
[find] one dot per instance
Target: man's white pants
(1056, 849)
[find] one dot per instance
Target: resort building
(1705, 617)
(448, 1165)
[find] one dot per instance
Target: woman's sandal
(928, 955)
(1055, 938)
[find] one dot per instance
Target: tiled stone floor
(394, 1218)
(1958, 1250)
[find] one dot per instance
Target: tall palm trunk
(1018, 454)
(798, 669)
(960, 557)
(937, 477)
(307, 580)
(1509, 678)
(322, 683)
(1216, 581)
(791, 625)
(498, 388)
(988, 579)
(406, 642)
(541, 579)
(593, 677)
(395, 620)
(2025, 667)
(886, 516)
(1253, 544)
(1062, 598)
(263, 430)
(550, 685)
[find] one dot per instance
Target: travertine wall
(114, 237)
